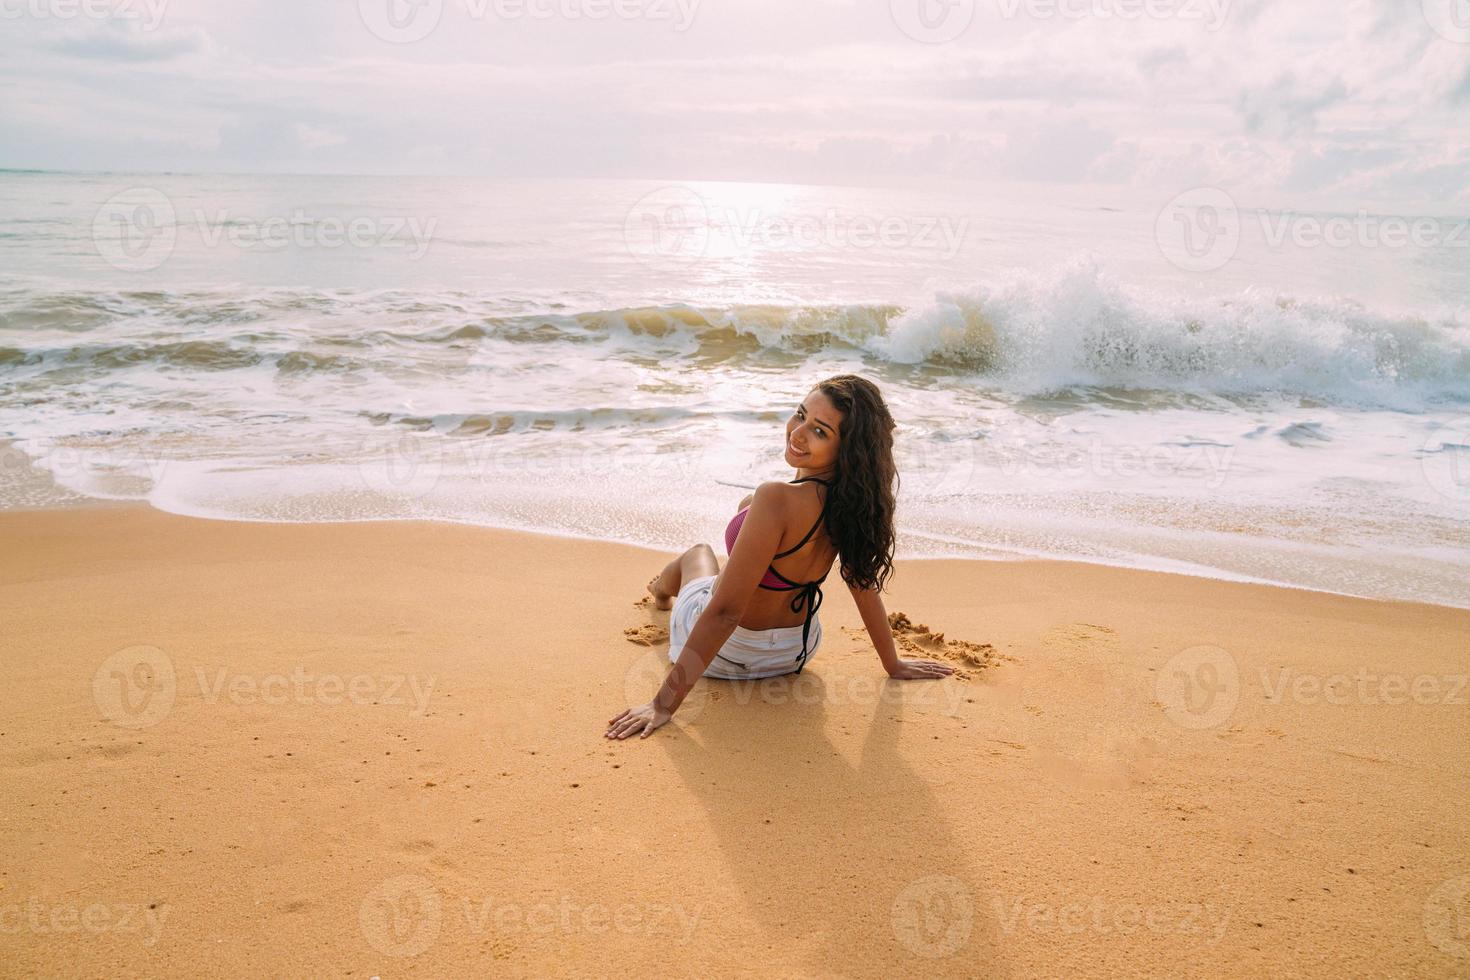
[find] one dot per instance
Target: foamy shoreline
(33, 484)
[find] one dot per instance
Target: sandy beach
(376, 749)
(364, 365)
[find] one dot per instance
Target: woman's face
(812, 434)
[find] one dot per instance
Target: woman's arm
(710, 632)
(875, 618)
(759, 537)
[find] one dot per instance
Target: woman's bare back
(769, 608)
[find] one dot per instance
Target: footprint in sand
(1078, 634)
(646, 635)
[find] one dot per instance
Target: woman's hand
(644, 718)
(916, 670)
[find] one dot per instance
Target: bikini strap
(820, 518)
(810, 594)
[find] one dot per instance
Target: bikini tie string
(810, 596)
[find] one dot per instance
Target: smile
(794, 450)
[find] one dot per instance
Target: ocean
(1184, 383)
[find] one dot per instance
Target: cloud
(1286, 107)
(1057, 151)
(1316, 166)
(316, 138)
(110, 41)
(1337, 100)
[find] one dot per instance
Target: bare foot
(661, 600)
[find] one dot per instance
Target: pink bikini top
(771, 580)
(811, 592)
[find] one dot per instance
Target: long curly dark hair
(865, 489)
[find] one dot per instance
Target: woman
(754, 619)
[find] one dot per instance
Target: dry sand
(376, 749)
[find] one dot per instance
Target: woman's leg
(695, 563)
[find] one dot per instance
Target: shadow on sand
(855, 865)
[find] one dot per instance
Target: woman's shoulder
(780, 499)
(772, 493)
(781, 490)
(789, 501)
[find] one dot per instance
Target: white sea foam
(1291, 425)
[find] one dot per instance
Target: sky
(1352, 103)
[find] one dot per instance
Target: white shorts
(747, 653)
